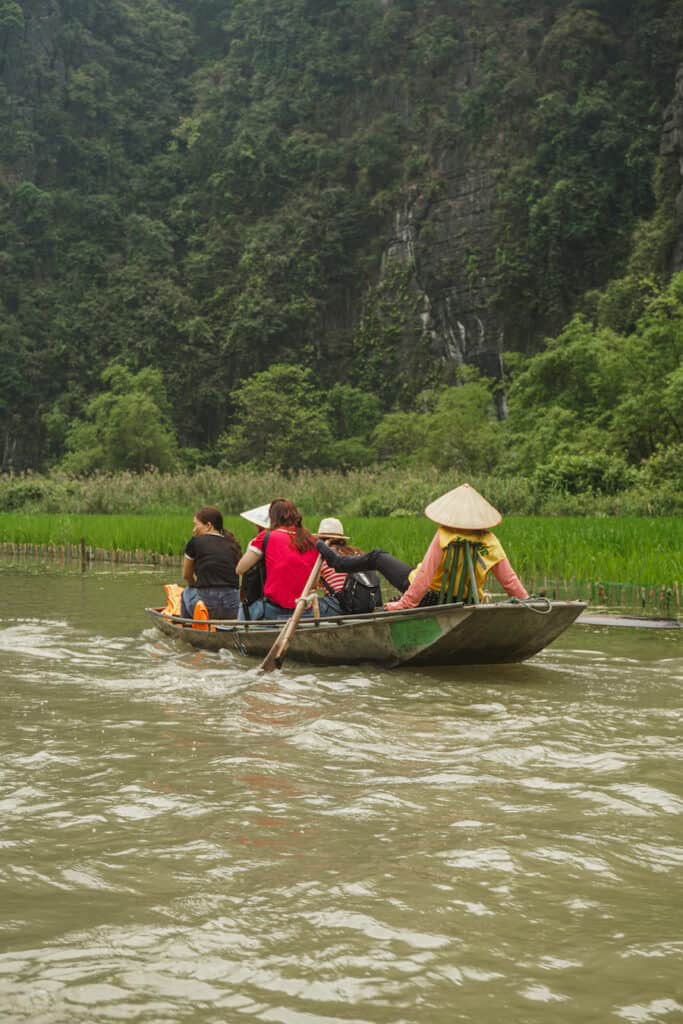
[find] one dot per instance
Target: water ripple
(183, 839)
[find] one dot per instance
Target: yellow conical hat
(463, 509)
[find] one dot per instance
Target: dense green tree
(593, 390)
(648, 414)
(355, 413)
(463, 432)
(400, 436)
(282, 421)
(587, 472)
(15, 403)
(454, 429)
(125, 427)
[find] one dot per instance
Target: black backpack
(254, 579)
(361, 593)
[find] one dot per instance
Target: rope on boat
(529, 603)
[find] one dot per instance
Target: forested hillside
(330, 232)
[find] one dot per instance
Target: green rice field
(642, 552)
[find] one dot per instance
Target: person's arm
(189, 561)
(248, 560)
(423, 577)
(509, 580)
(252, 555)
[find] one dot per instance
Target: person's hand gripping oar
(276, 654)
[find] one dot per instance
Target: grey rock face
(445, 239)
(444, 236)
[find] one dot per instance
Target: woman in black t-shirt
(209, 567)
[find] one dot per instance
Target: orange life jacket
(200, 616)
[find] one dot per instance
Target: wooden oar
(276, 654)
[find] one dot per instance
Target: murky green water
(184, 840)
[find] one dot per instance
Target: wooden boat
(449, 634)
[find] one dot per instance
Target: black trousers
(393, 569)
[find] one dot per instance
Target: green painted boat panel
(407, 634)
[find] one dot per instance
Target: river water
(182, 839)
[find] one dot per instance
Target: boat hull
(453, 634)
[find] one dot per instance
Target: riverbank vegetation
(574, 555)
(594, 424)
(380, 490)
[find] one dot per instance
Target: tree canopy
(126, 426)
(229, 233)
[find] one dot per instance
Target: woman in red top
(290, 555)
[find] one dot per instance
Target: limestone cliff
(446, 235)
(447, 243)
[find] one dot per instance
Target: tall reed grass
(381, 491)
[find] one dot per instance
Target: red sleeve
(256, 543)
(508, 579)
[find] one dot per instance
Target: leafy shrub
(23, 494)
(351, 453)
(579, 473)
(665, 465)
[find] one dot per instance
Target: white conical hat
(464, 509)
(258, 516)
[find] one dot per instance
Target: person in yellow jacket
(461, 513)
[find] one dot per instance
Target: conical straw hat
(258, 516)
(464, 509)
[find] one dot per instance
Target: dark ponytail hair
(210, 514)
(285, 513)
